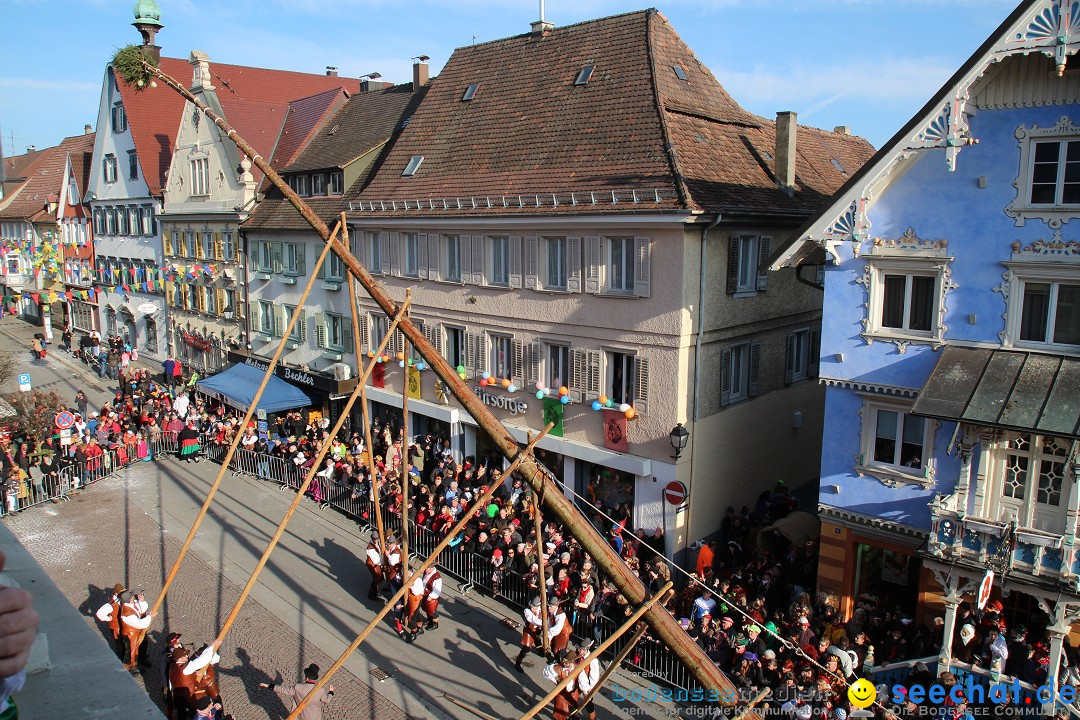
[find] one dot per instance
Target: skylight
(469, 92)
(413, 166)
(584, 75)
(839, 167)
(679, 72)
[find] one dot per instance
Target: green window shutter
(320, 330)
(276, 255)
(347, 335)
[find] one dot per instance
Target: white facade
(127, 243)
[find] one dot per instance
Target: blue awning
(237, 385)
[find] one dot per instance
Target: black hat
(311, 672)
(203, 703)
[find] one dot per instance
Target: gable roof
(634, 129)
(367, 121)
(154, 113)
(305, 117)
(46, 179)
(1028, 29)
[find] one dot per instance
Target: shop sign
(502, 402)
(615, 432)
(553, 415)
(196, 342)
(297, 376)
(315, 380)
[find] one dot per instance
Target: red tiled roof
(154, 113)
(305, 116)
(635, 128)
(46, 179)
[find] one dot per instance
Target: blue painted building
(951, 341)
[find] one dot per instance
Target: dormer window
(299, 184)
(680, 72)
(469, 92)
(584, 75)
(337, 182)
(413, 166)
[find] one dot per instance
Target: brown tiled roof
(154, 113)
(81, 167)
(21, 166)
(46, 179)
(366, 121)
(635, 129)
(305, 117)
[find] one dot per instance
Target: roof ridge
(658, 107)
(558, 28)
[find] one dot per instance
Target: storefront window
(886, 578)
(606, 488)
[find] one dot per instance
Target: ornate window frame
(887, 474)
(908, 255)
(1031, 265)
(1021, 209)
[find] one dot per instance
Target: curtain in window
(922, 304)
(1036, 312)
(911, 449)
(892, 305)
(1067, 317)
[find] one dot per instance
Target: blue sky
(868, 64)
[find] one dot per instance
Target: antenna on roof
(541, 26)
(542, 18)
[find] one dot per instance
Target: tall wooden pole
(406, 447)
(324, 448)
(538, 525)
(666, 628)
(238, 436)
(623, 629)
(475, 508)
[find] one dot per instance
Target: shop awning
(1009, 389)
(237, 385)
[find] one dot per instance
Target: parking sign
(24, 382)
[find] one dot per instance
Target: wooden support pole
(538, 524)
(666, 628)
(471, 708)
(324, 448)
(611, 668)
(476, 507)
(406, 448)
(623, 629)
(239, 435)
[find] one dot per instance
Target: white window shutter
(515, 262)
(815, 351)
(578, 371)
(365, 333)
(755, 370)
(320, 330)
(532, 363)
(642, 265)
(789, 359)
(301, 326)
(470, 352)
(641, 384)
(384, 240)
(422, 256)
(478, 259)
(254, 325)
(279, 317)
(725, 377)
(592, 376)
(465, 258)
(434, 258)
(437, 339)
(764, 251)
(276, 255)
(481, 345)
(593, 260)
(530, 261)
(395, 254)
(517, 362)
(573, 264)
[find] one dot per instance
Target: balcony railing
(957, 536)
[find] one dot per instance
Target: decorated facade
(603, 272)
(951, 344)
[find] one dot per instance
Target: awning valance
(237, 385)
(1009, 389)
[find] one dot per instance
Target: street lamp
(679, 435)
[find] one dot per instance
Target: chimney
(31, 149)
(419, 74)
(542, 27)
(88, 129)
(331, 71)
(786, 128)
(842, 130)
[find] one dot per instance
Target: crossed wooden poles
(665, 627)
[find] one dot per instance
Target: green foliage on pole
(136, 66)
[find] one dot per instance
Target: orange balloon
(401, 356)
(563, 390)
(602, 399)
(630, 414)
(505, 383)
(370, 354)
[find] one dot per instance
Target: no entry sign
(675, 493)
(64, 420)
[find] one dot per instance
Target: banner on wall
(615, 431)
(553, 413)
(378, 375)
(414, 383)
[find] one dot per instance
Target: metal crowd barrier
(651, 658)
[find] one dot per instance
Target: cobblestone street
(105, 539)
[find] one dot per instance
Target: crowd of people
(751, 605)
